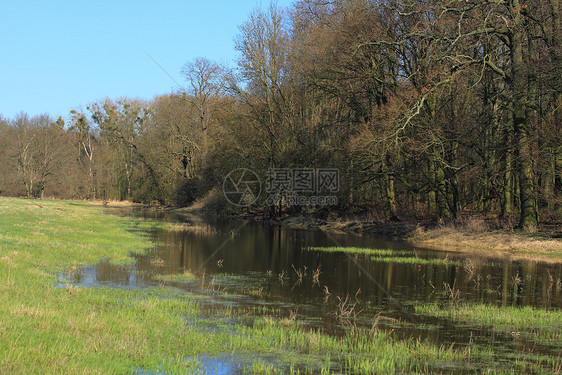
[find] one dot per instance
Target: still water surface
(250, 265)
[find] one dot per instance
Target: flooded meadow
(339, 284)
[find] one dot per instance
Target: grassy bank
(476, 238)
(473, 235)
(50, 329)
(45, 329)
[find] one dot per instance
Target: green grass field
(48, 329)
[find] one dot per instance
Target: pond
(267, 269)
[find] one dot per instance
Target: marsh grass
(387, 255)
(544, 326)
(185, 276)
(187, 227)
(416, 260)
(364, 351)
(359, 250)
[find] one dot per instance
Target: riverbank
(470, 235)
(541, 246)
(473, 235)
(476, 235)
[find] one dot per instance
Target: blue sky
(61, 55)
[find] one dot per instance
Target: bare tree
(206, 80)
(39, 152)
(83, 130)
(121, 123)
(263, 43)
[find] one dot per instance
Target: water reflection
(279, 267)
(269, 251)
(255, 265)
(104, 273)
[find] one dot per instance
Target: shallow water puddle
(104, 273)
(230, 364)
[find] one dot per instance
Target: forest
(429, 109)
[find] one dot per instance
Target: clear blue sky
(60, 55)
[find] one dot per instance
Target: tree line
(427, 108)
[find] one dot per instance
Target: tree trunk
(442, 192)
(453, 182)
(127, 175)
(432, 201)
(507, 206)
(388, 185)
(391, 197)
(528, 218)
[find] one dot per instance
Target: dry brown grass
(112, 203)
(475, 236)
(188, 227)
